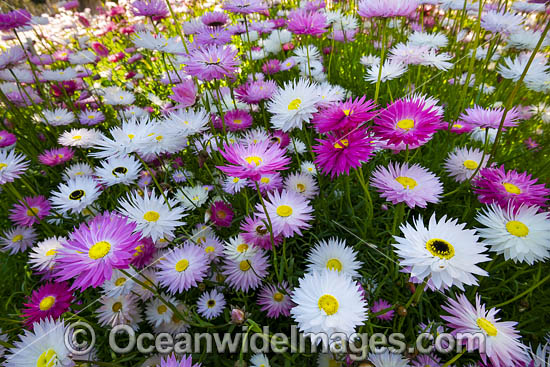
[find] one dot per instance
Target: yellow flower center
(46, 303)
(51, 252)
(265, 180)
(405, 124)
(238, 121)
(236, 179)
(517, 229)
(99, 250)
(294, 104)
(346, 112)
(334, 264)
(182, 265)
(254, 159)
(301, 187)
(120, 281)
(77, 137)
(242, 247)
(2, 166)
(340, 144)
(470, 164)
(284, 211)
(151, 216)
(119, 171)
(131, 136)
(278, 296)
(407, 182)
(221, 214)
(511, 188)
(162, 309)
(47, 359)
(32, 211)
(91, 117)
(211, 303)
(209, 249)
(487, 326)
(17, 238)
(117, 306)
(457, 126)
(244, 265)
(440, 248)
(328, 303)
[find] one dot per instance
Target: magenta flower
(502, 346)
(407, 122)
(380, 305)
(144, 251)
(254, 232)
(271, 67)
(244, 6)
(185, 93)
(209, 36)
(344, 115)
(150, 8)
(93, 250)
(489, 117)
(509, 188)
(338, 153)
(50, 300)
(237, 120)
(30, 210)
(256, 91)
(275, 300)
(531, 144)
(14, 19)
(54, 157)
(302, 21)
(401, 183)
(6, 139)
(221, 214)
(212, 62)
(214, 18)
(253, 160)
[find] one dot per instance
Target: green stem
(535, 286)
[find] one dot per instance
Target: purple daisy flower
(212, 36)
(256, 91)
(221, 214)
(255, 232)
(150, 8)
(246, 274)
(237, 120)
(509, 188)
(185, 93)
(93, 250)
(244, 6)
(387, 8)
(338, 153)
(50, 300)
(490, 117)
(344, 115)
(14, 19)
(302, 21)
(30, 210)
(91, 118)
(7, 139)
(171, 361)
(253, 160)
(268, 182)
(380, 305)
(275, 300)
(407, 122)
(423, 360)
(401, 183)
(183, 268)
(54, 157)
(214, 18)
(271, 67)
(212, 62)
(501, 343)
(288, 211)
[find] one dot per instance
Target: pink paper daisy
(255, 232)
(407, 122)
(221, 214)
(509, 188)
(401, 183)
(54, 157)
(30, 210)
(489, 117)
(246, 274)
(93, 250)
(380, 305)
(344, 115)
(50, 300)
(253, 160)
(289, 212)
(212, 62)
(275, 300)
(183, 268)
(302, 21)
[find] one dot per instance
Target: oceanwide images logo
(80, 338)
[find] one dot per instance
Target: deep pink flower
(221, 214)
(380, 305)
(54, 157)
(236, 120)
(14, 19)
(344, 115)
(302, 21)
(271, 67)
(340, 152)
(185, 93)
(144, 251)
(256, 91)
(100, 49)
(509, 188)
(50, 300)
(6, 138)
(254, 232)
(30, 210)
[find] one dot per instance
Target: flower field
(372, 175)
